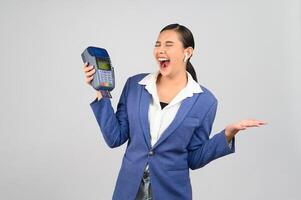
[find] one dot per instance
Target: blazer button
(151, 153)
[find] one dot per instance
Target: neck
(177, 80)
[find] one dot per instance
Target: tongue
(165, 63)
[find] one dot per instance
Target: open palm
(232, 129)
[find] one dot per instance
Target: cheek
(175, 52)
(177, 56)
(155, 52)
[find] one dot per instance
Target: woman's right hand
(89, 72)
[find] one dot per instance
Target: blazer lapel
(185, 107)
(145, 100)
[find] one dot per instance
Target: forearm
(213, 148)
(113, 126)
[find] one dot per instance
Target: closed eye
(167, 45)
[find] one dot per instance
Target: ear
(188, 53)
(186, 57)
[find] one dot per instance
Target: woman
(166, 117)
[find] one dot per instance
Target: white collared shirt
(159, 119)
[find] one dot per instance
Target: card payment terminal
(103, 79)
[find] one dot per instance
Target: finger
(85, 65)
(90, 73)
(85, 69)
(263, 122)
(88, 68)
(252, 125)
(253, 122)
(88, 80)
(258, 121)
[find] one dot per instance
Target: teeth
(163, 59)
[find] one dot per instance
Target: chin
(165, 72)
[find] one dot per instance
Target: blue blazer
(184, 144)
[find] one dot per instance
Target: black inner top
(163, 104)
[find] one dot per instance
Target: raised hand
(232, 129)
(89, 72)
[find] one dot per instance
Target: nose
(161, 51)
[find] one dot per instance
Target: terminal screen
(103, 64)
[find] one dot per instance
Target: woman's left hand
(232, 129)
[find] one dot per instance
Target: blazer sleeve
(201, 149)
(114, 126)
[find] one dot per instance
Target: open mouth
(164, 62)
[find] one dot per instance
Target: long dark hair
(187, 40)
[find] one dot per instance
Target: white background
(247, 53)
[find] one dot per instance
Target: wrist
(229, 134)
(98, 95)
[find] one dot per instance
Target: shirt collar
(191, 87)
